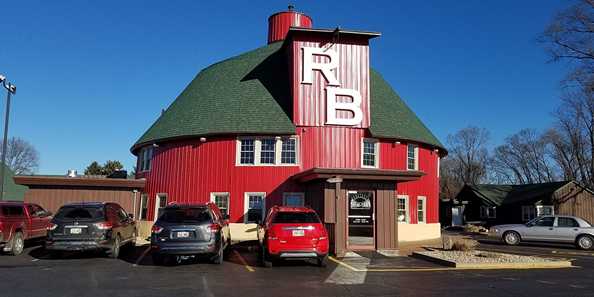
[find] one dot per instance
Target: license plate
(183, 234)
(298, 232)
(75, 230)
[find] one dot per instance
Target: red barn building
(303, 120)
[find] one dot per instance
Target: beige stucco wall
(243, 232)
(418, 232)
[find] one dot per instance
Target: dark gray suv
(190, 230)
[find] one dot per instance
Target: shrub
(474, 229)
(464, 244)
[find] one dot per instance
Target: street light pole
(11, 90)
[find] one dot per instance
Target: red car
(19, 222)
(292, 233)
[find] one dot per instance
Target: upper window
(267, 151)
(289, 151)
(402, 209)
(293, 199)
(254, 207)
(221, 200)
(248, 150)
(421, 209)
(144, 158)
(544, 210)
(369, 152)
(412, 157)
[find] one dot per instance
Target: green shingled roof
(497, 195)
(249, 94)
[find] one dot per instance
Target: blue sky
(92, 76)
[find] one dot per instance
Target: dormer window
(412, 157)
(145, 157)
(267, 151)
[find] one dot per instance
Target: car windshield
(185, 215)
(79, 213)
(295, 217)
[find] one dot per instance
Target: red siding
(309, 100)
(331, 147)
(279, 24)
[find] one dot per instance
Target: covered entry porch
(357, 206)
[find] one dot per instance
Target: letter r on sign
(325, 68)
(332, 106)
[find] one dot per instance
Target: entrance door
(361, 227)
(160, 202)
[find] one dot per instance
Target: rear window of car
(80, 213)
(186, 215)
(12, 211)
(286, 217)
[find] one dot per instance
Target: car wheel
(585, 242)
(114, 251)
(322, 261)
(218, 257)
(511, 238)
(17, 244)
(158, 259)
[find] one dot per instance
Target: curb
(532, 265)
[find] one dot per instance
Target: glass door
(361, 227)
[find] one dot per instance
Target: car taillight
(104, 225)
(51, 226)
(156, 229)
(214, 228)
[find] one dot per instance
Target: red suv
(292, 233)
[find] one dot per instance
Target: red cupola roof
(280, 22)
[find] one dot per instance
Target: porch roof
(358, 174)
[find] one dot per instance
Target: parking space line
(571, 253)
(244, 262)
(148, 249)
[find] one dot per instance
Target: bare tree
(524, 158)
(21, 156)
(469, 155)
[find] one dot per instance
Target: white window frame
(145, 157)
(424, 204)
(528, 212)
(376, 149)
(158, 197)
(416, 156)
(141, 213)
(488, 212)
(246, 205)
(300, 194)
(539, 210)
(258, 150)
(213, 200)
(438, 166)
(406, 209)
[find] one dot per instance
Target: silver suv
(559, 228)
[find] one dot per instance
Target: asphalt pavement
(36, 274)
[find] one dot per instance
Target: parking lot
(35, 274)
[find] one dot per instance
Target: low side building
(511, 204)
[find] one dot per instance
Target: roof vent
(71, 173)
(280, 22)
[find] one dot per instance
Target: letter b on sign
(333, 106)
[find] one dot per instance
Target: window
(161, 202)
(293, 199)
(13, 211)
(188, 215)
(295, 218)
(545, 222)
(144, 158)
(80, 213)
(488, 212)
(277, 151)
(544, 210)
(143, 206)
(35, 210)
(369, 152)
(402, 209)
(221, 200)
(421, 213)
(267, 151)
(567, 222)
(248, 149)
(412, 157)
(528, 213)
(254, 207)
(289, 151)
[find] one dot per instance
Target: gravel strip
(480, 257)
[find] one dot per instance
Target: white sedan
(564, 229)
